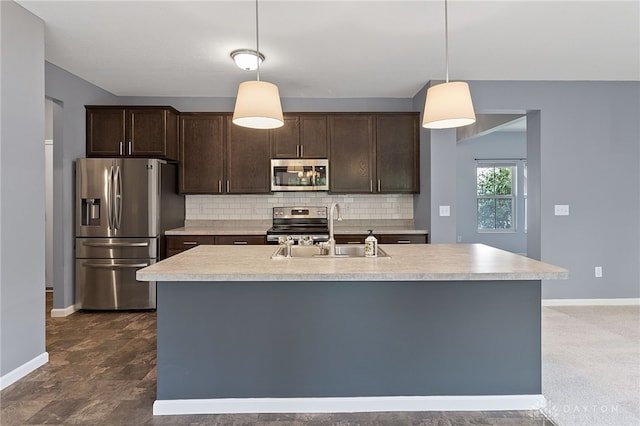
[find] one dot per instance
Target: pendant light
(258, 102)
(448, 104)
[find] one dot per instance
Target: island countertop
(416, 262)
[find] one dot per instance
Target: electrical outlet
(459, 238)
(598, 271)
(445, 211)
(561, 209)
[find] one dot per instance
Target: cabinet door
(351, 145)
(248, 160)
(286, 139)
(201, 153)
(313, 136)
(397, 153)
(105, 132)
(240, 240)
(172, 149)
(146, 132)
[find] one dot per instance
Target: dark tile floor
(101, 371)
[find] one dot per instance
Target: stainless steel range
(306, 224)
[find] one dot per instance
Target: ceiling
(337, 49)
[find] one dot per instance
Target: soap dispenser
(370, 245)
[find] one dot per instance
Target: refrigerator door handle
(143, 244)
(117, 205)
(110, 199)
(115, 265)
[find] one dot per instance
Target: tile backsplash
(354, 206)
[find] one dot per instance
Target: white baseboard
(348, 404)
(64, 312)
(26, 368)
(591, 302)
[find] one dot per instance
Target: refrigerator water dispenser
(91, 211)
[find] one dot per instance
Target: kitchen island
(433, 327)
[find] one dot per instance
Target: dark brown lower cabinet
(178, 243)
(383, 238)
(403, 239)
(241, 240)
(350, 238)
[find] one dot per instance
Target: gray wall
(494, 146)
(70, 94)
(422, 200)
(22, 194)
(583, 150)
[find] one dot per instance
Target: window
(496, 196)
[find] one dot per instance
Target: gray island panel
(348, 338)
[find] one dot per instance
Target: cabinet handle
(379, 185)
(301, 150)
(190, 243)
(354, 242)
(403, 242)
(219, 185)
(130, 147)
(297, 150)
(228, 186)
(121, 148)
(370, 185)
(240, 243)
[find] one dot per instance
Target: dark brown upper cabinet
(248, 160)
(374, 153)
(302, 136)
(352, 160)
(202, 153)
(397, 153)
(219, 157)
(116, 131)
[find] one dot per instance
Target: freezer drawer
(116, 248)
(112, 285)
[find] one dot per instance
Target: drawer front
(179, 243)
(111, 284)
(402, 239)
(241, 240)
(350, 238)
(116, 248)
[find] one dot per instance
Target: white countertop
(412, 262)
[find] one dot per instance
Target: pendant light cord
(257, 44)
(446, 41)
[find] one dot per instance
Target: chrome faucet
(332, 242)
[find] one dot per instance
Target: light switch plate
(445, 211)
(561, 210)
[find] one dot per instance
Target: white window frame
(513, 197)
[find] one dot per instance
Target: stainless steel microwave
(300, 174)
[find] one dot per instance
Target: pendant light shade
(448, 105)
(258, 106)
(258, 102)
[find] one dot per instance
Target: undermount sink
(342, 251)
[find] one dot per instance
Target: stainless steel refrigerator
(122, 208)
